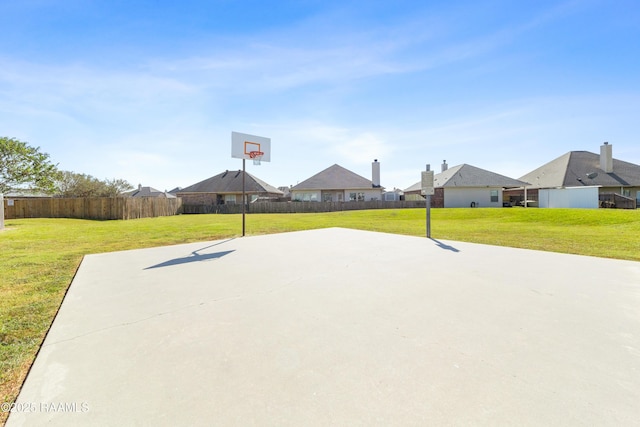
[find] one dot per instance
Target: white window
(494, 196)
(230, 198)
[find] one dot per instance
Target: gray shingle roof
(148, 192)
(415, 187)
(574, 168)
(465, 175)
(470, 176)
(334, 178)
(231, 182)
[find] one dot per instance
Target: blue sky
(150, 91)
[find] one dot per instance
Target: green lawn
(40, 256)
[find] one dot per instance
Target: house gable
(335, 178)
(230, 182)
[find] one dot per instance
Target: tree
(71, 184)
(23, 166)
(115, 187)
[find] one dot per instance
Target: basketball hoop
(256, 156)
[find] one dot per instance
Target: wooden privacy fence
(91, 208)
(300, 207)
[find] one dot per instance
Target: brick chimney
(375, 173)
(606, 157)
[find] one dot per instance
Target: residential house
(226, 187)
(148, 192)
(465, 186)
(286, 193)
(581, 179)
(337, 184)
(394, 195)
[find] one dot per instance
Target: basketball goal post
(427, 191)
(251, 147)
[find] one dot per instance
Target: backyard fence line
(614, 200)
(299, 207)
(102, 208)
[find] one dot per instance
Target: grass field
(40, 256)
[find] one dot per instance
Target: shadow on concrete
(443, 246)
(194, 257)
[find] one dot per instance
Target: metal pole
(428, 210)
(243, 197)
(429, 216)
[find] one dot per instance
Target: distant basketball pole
(256, 148)
(427, 191)
(244, 196)
(428, 201)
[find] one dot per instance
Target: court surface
(340, 327)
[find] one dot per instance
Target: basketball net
(256, 156)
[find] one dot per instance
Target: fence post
(1, 211)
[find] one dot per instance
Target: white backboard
(243, 144)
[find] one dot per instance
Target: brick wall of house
(437, 200)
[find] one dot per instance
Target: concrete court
(341, 327)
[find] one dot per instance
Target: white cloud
(70, 87)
